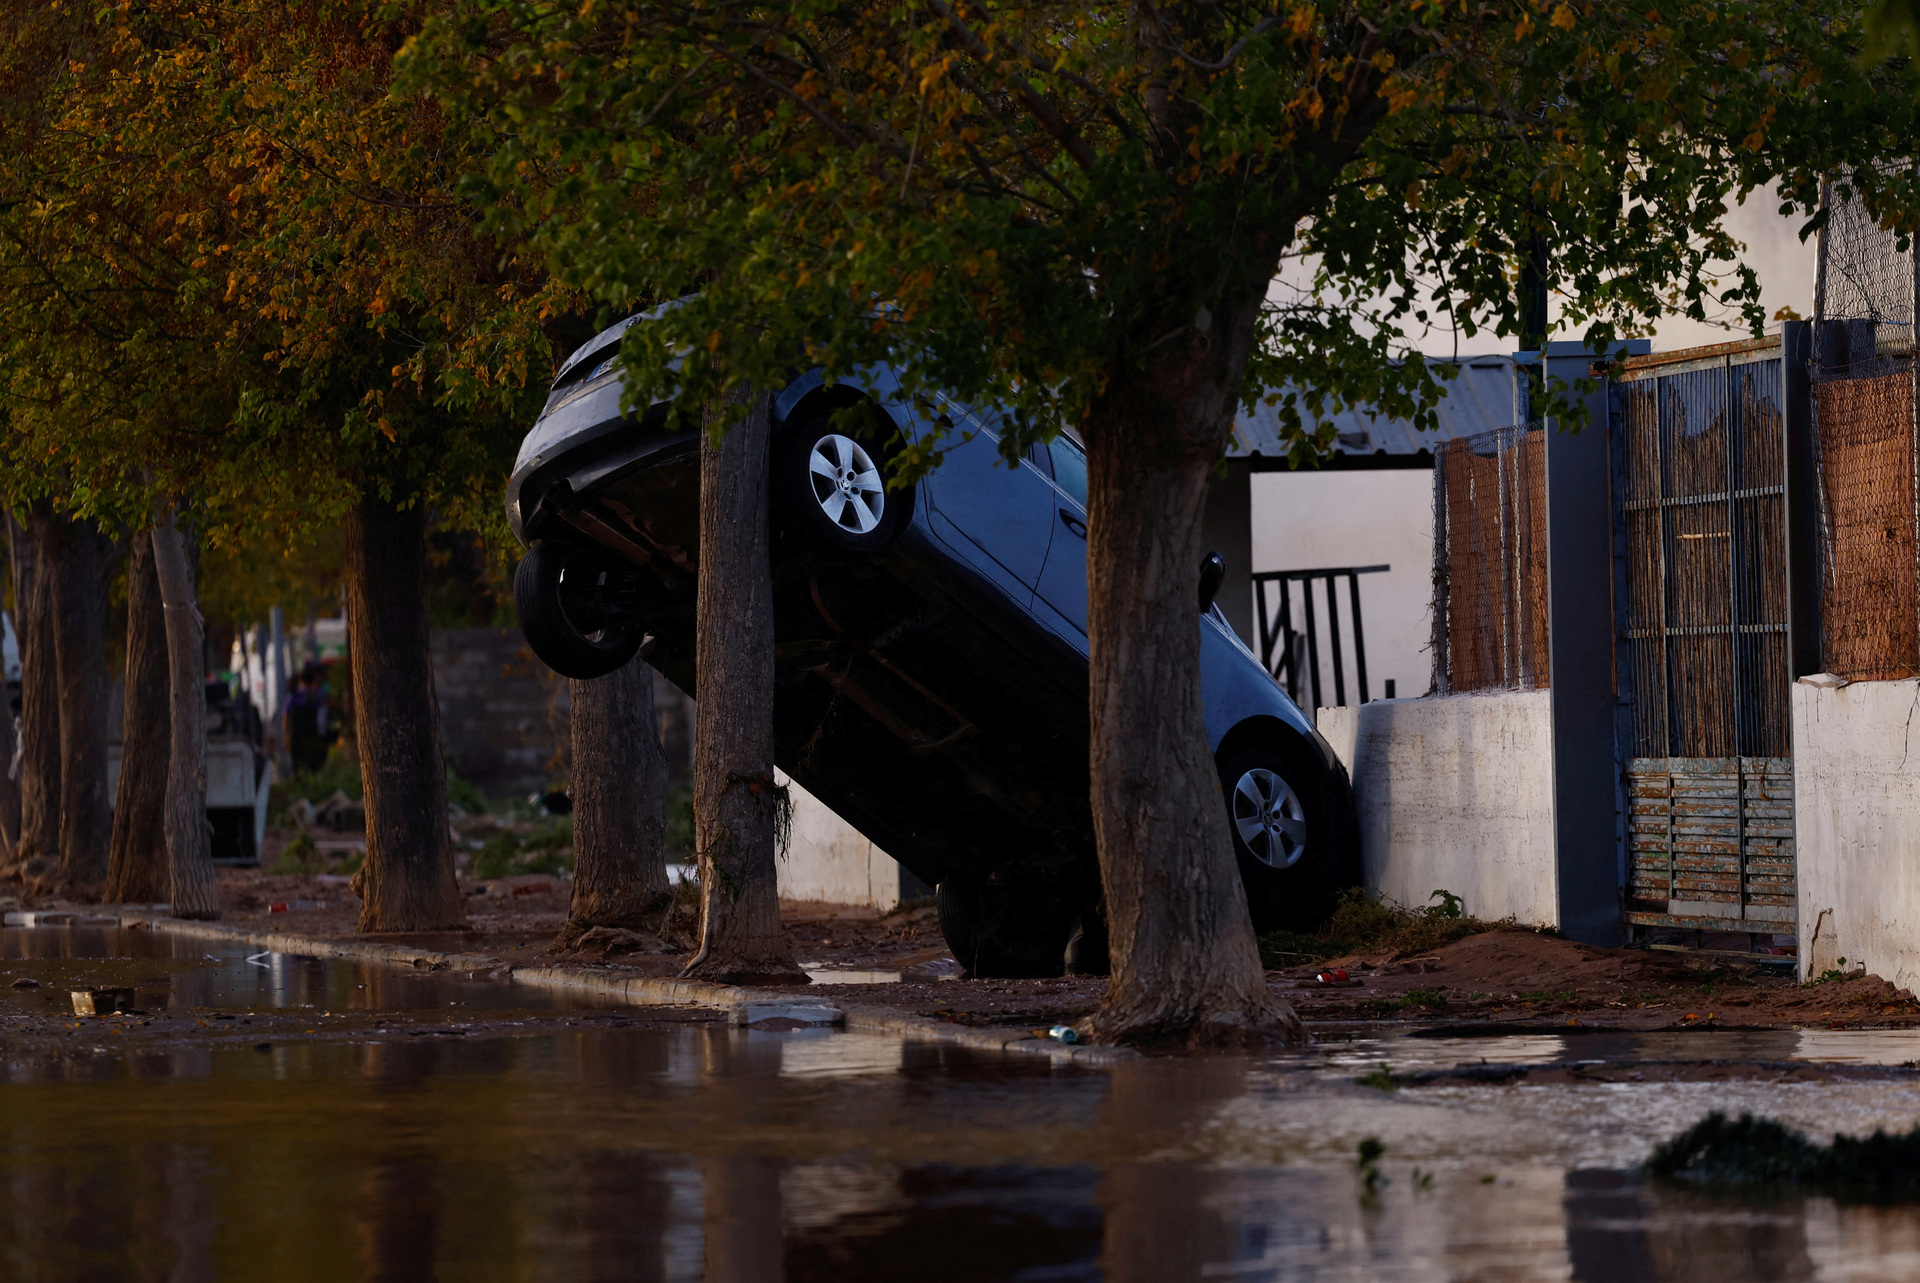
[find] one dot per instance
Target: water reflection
(701, 1152)
(707, 1153)
(169, 972)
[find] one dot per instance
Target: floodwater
(572, 1151)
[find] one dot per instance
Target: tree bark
(9, 719)
(189, 839)
(137, 871)
(36, 560)
(619, 787)
(407, 881)
(80, 631)
(1185, 962)
(739, 811)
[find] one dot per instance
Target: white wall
(1856, 766)
(1455, 793)
(1311, 520)
(829, 861)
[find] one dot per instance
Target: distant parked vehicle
(931, 648)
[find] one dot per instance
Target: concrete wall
(830, 862)
(1856, 765)
(1309, 520)
(500, 726)
(504, 716)
(1455, 793)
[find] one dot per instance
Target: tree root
(577, 937)
(1203, 1027)
(746, 971)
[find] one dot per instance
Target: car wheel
(1293, 853)
(576, 607)
(995, 934)
(830, 487)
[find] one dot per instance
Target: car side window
(1070, 469)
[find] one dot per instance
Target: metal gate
(1699, 471)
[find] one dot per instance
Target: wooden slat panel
(1717, 835)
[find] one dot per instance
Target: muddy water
(701, 1152)
(167, 972)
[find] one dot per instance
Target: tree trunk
(36, 559)
(189, 838)
(1185, 963)
(407, 881)
(739, 811)
(137, 863)
(619, 805)
(80, 629)
(9, 719)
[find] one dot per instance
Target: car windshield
(1070, 469)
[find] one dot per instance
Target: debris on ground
(1431, 967)
(1759, 1151)
(1528, 979)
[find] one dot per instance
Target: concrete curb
(644, 991)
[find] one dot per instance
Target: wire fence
(1703, 502)
(1865, 437)
(1490, 561)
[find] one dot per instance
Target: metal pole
(1359, 637)
(1265, 622)
(1333, 644)
(1313, 639)
(1503, 493)
(1663, 534)
(1730, 417)
(1800, 503)
(1287, 659)
(1442, 657)
(1820, 257)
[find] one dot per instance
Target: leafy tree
(266, 305)
(1081, 212)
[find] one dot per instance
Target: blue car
(931, 648)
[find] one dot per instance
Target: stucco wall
(829, 861)
(1455, 793)
(1856, 765)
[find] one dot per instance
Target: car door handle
(1073, 521)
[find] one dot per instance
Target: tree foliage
(1018, 201)
(254, 285)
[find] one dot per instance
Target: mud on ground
(1502, 978)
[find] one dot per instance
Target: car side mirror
(1213, 573)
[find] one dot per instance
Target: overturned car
(931, 647)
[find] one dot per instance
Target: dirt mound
(1523, 961)
(1530, 978)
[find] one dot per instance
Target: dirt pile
(1529, 978)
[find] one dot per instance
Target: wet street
(388, 1125)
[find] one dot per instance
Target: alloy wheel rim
(1270, 818)
(846, 484)
(583, 583)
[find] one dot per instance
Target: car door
(999, 517)
(1063, 581)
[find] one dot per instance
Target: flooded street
(488, 1130)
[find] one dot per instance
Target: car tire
(830, 491)
(1294, 852)
(994, 935)
(575, 603)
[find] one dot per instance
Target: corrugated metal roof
(1481, 398)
